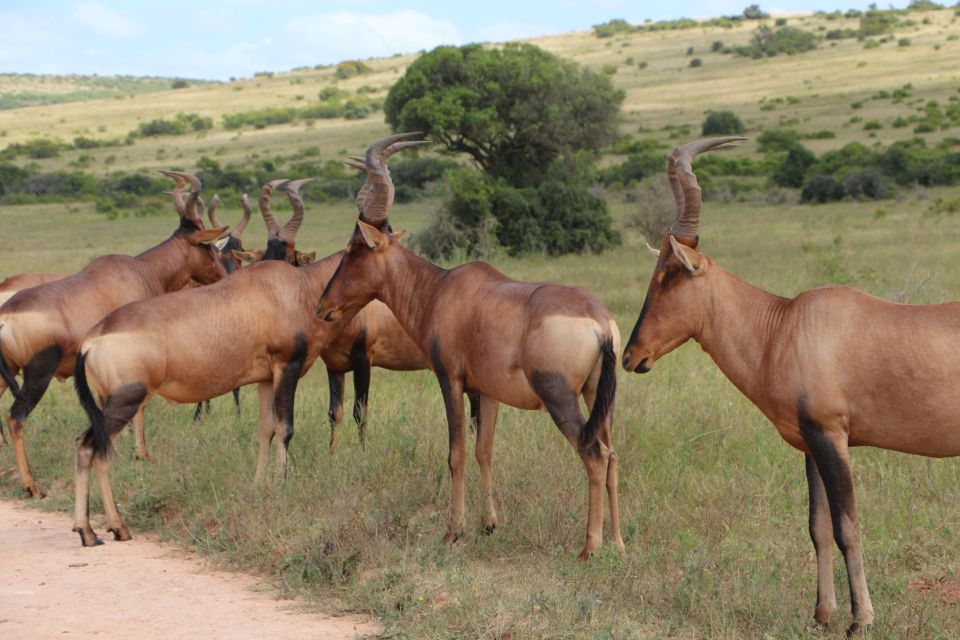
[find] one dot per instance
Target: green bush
(777, 140)
(792, 169)
(351, 68)
(612, 27)
(696, 62)
(821, 189)
(767, 42)
(722, 123)
(875, 22)
(754, 12)
(413, 175)
(558, 215)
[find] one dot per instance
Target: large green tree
(514, 109)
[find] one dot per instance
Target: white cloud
(333, 36)
(105, 22)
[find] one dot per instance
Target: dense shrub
(351, 68)
(875, 22)
(722, 123)
(820, 189)
(413, 176)
(181, 123)
(754, 12)
(11, 178)
(355, 108)
(558, 215)
(792, 169)
(868, 184)
(777, 140)
(612, 28)
(636, 167)
(767, 42)
(60, 183)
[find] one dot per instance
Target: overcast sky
(222, 38)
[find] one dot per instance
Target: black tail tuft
(606, 392)
(97, 433)
(8, 377)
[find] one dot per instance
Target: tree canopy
(514, 109)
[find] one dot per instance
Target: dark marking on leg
(835, 472)
(335, 413)
(198, 414)
(474, 398)
(37, 375)
(236, 399)
(831, 458)
(454, 410)
(560, 401)
(283, 394)
(36, 378)
(360, 364)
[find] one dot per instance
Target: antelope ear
(206, 236)
(396, 235)
(373, 237)
(245, 256)
(654, 252)
(693, 260)
(306, 258)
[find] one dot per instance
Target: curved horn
(683, 182)
(177, 192)
(189, 210)
(380, 196)
(363, 195)
(289, 231)
(212, 212)
(240, 228)
(273, 227)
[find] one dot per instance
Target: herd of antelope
(831, 368)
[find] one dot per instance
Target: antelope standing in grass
(832, 368)
(280, 244)
(41, 327)
(532, 346)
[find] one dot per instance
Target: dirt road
(51, 587)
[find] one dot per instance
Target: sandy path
(51, 587)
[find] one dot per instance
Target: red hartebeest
(41, 327)
(280, 245)
(818, 366)
(532, 346)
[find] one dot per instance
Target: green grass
(713, 502)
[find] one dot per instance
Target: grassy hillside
(713, 502)
(30, 90)
(809, 92)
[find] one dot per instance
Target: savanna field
(713, 502)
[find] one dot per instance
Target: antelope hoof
(452, 537)
(87, 537)
(145, 456)
(621, 549)
(33, 492)
(121, 533)
(822, 615)
(488, 529)
(585, 554)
